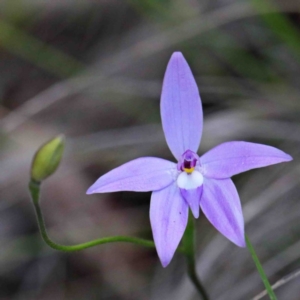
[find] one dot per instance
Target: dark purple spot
(188, 160)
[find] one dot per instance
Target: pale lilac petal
(192, 197)
(221, 205)
(181, 109)
(233, 158)
(168, 216)
(139, 175)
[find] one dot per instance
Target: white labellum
(189, 181)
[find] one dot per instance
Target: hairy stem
(260, 270)
(34, 188)
(189, 252)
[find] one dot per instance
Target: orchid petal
(232, 158)
(221, 205)
(168, 216)
(181, 110)
(139, 175)
(192, 197)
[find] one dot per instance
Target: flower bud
(47, 158)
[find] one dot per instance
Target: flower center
(188, 161)
(189, 178)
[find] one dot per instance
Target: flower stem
(260, 270)
(34, 188)
(189, 252)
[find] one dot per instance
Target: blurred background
(93, 70)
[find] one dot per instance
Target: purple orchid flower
(196, 182)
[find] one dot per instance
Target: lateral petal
(180, 107)
(140, 175)
(221, 205)
(232, 158)
(192, 197)
(168, 217)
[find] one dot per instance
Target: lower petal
(192, 197)
(221, 205)
(168, 217)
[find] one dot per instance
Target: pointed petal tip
(238, 241)
(177, 54)
(90, 191)
(165, 259)
(241, 243)
(285, 157)
(196, 214)
(177, 57)
(165, 262)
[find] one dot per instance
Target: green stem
(189, 252)
(260, 270)
(34, 188)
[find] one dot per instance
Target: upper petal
(232, 158)
(221, 205)
(181, 109)
(168, 216)
(139, 175)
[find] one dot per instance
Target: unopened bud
(47, 159)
